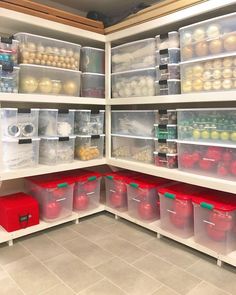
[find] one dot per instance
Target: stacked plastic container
(56, 129)
(165, 133)
(90, 137)
(167, 64)
(93, 72)
(208, 55)
(48, 66)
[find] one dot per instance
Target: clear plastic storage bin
(214, 221)
(20, 153)
(167, 87)
(19, 122)
(169, 40)
(92, 60)
(56, 150)
(217, 74)
(169, 161)
(9, 78)
(208, 38)
(8, 51)
(96, 125)
(134, 55)
(45, 51)
(211, 125)
(168, 56)
(49, 81)
(168, 71)
(167, 146)
(165, 131)
(177, 209)
(56, 122)
(89, 147)
(133, 122)
(134, 83)
(89, 122)
(164, 117)
(209, 160)
(93, 85)
(55, 196)
(132, 148)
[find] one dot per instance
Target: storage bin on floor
(54, 122)
(132, 148)
(54, 195)
(134, 55)
(133, 122)
(93, 85)
(209, 160)
(56, 150)
(19, 122)
(18, 211)
(167, 87)
(177, 209)
(168, 56)
(165, 117)
(133, 83)
(207, 125)
(208, 38)
(92, 60)
(45, 51)
(166, 160)
(169, 40)
(20, 153)
(8, 51)
(49, 80)
(89, 122)
(9, 78)
(89, 147)
(165, 131)
(215, 222)
(168, 71)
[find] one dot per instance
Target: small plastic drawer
(134, 55)
(134, 83)
(132, 148)
(93, 85)
(55, 196)
(166, 160)
(164, 117)
(8, 51)
(49, 80)
(165, 131)
(207, 125)
(177, 209)
(19, 122)
(167, 87)
(214, 221)
(20, 153)
(54, 122)
(208, 38)
(168, 71)
(96, 124)
(210, 75)
(168, 56)
(133, 122)
(89, 147)
(166, 41)
(9, 78)
(166, 146)
(210, 160)
(92, 60)
(48, 52)
(56, 150)
(82, 122)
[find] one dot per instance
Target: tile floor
(103, 256)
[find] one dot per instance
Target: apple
(227, 157)
(205, 164)
(222, 221)
(186, 160)
(222, 170)
(196, 134)
(52, 210)
(224, 135)
(146, 210)
(215, 234)
(90, 186)
(233, 136)
(118, 200)
(120, 187)
(233, 167)
(205, 134)
(80, 202)
(183, 208)
(215, 135)
(214, 153)
(178, 221)
(196, 156)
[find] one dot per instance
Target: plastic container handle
(92, 178)
(169, 195)
(133, 184)
(207, 206)
(61, 185)
(110, 177)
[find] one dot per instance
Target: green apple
(205, 134)
(233, 136)
(215, 135)
(224, 135)
(196, 134)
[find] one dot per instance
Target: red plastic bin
(177, 209)
(18, 211)
(215, 221)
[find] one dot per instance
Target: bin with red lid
(215, 221)
(54, 194)
(143, 199)
(18, 211)
(177, 209)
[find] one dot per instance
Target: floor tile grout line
(51, 288)
(11, 278)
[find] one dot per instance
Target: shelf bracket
(158, 236)
(76, 221)
(219, 262)
(10, 243)
(117, 217)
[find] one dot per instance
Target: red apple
(146, 210)
(215, 234)
(58, 193)
(52, 210)
(120, 187)
(214, 153)
(227, 157)
(118, 200)
(196, 156)
(222, 221)
(206, 164)
(222, 170)
(178, 221)
(233, 167)
(80, 202)
(90, 186)
(183, 208)
(186, 160)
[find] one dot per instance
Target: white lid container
(92, 60)
(93, 85)
(9, 78)
(89, 147)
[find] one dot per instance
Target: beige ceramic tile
(206, 289)
(128, 278)
(166, 291)
(59, 290)
(73, 271)
(103, 219)
(11, 254)
(103, 287)
(8, 287)
(62, 234)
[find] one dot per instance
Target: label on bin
(65, 138)
(23, 111)
(6, 40)
(163, 67)
(164, 36)
(164, 51)
(23, 218)
(63, 111)
(25, 141)
(6, 67)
